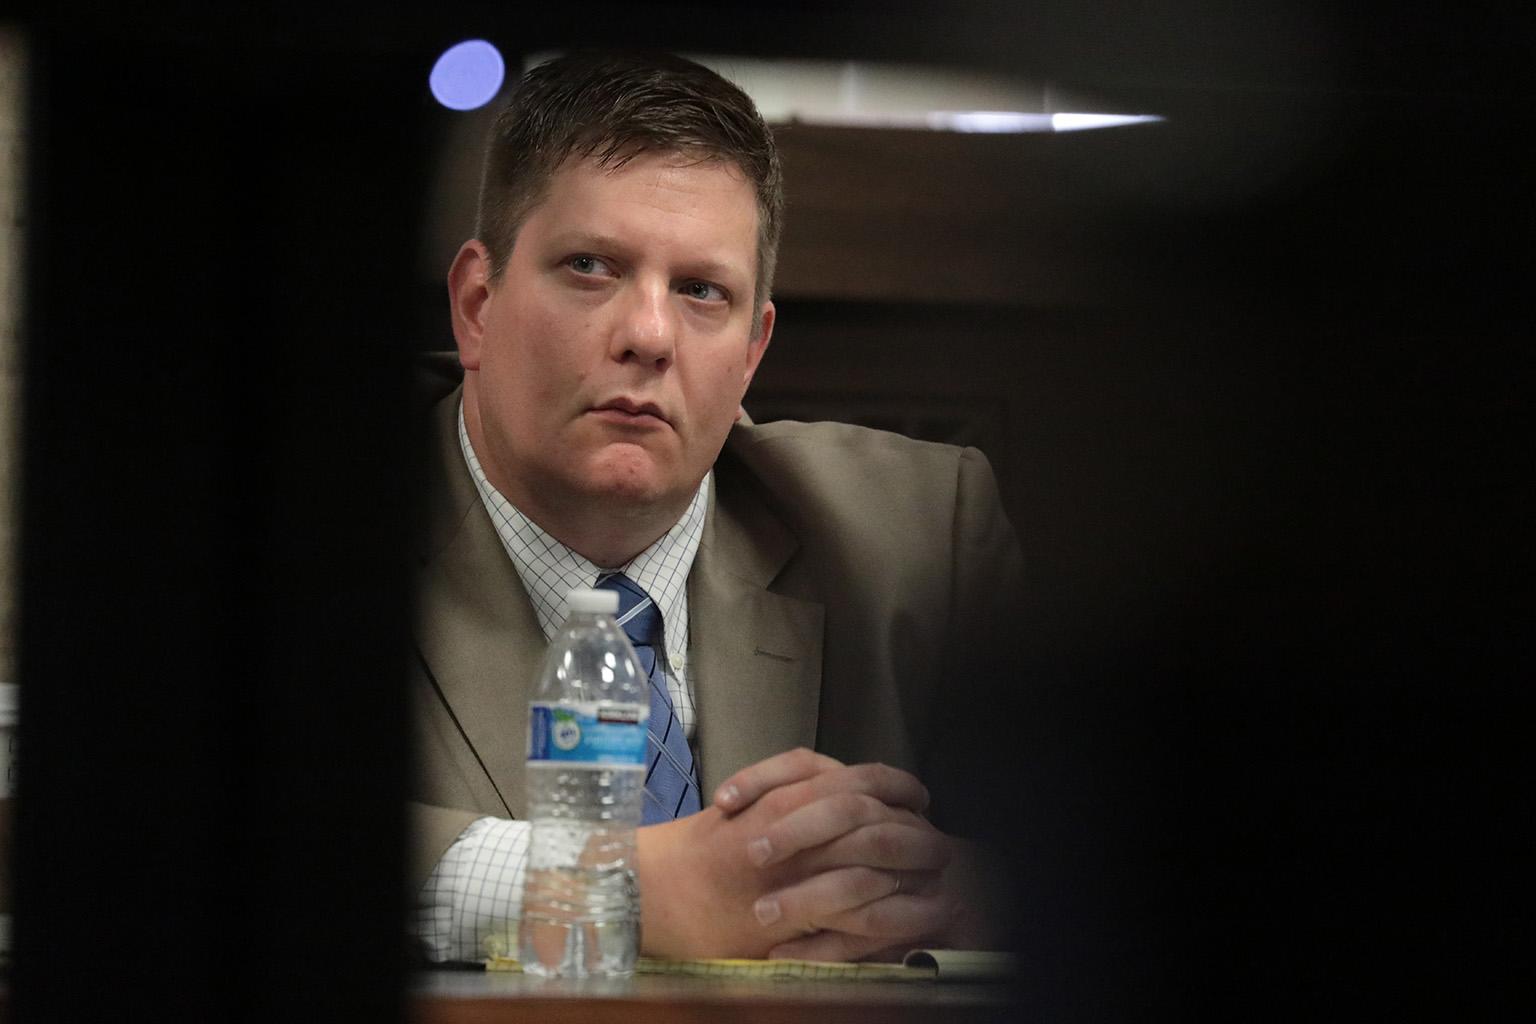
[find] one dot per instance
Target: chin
(633, 478)
(628, 493)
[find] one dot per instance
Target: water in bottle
(586, 784)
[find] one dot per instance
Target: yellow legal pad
(920, 965)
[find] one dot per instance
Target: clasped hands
(802, 856)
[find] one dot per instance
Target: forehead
(661, 196)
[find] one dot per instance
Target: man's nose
(647, 330)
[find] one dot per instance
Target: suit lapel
(756, 655)
(477, 631)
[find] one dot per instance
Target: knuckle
(870, 775)
(880, 920)
(895, 783)
(924, 856)
(871, 920)
(885, 843)
(778, 802)
(859, 807)
(869, 883)
(803, 759)
(893, 922)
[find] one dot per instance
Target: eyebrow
(588, 240)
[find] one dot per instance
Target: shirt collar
(550, 570)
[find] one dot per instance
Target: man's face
(608, 362)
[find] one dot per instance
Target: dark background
(1257, 407)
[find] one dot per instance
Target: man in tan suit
(823, 585)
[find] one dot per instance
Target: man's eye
(704, 291)
(587, 265)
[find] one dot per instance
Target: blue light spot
(467, 75)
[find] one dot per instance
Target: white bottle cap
(600, 602)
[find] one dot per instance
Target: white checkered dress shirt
(470, 904)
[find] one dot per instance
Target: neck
(601, 540)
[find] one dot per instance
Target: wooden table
(468, 997)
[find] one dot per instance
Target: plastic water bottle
(586, 784)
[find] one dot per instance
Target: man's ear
(755, 349)
(759, 343)
(469, 292)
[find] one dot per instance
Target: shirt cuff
(468, 908)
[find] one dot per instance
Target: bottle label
(590, 733)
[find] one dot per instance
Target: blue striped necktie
(671, 779)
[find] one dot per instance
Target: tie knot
(638, 615)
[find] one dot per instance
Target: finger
(888, 785)
(833, 803)
(741, 790)
(852, 828)
(809, 905)
(895, 845)
(859, 901)
(899, 918)
(837, 946)
(818, 822)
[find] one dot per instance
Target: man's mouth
(631, 412)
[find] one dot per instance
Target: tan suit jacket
(844, 579)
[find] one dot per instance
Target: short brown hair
(612, 107)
